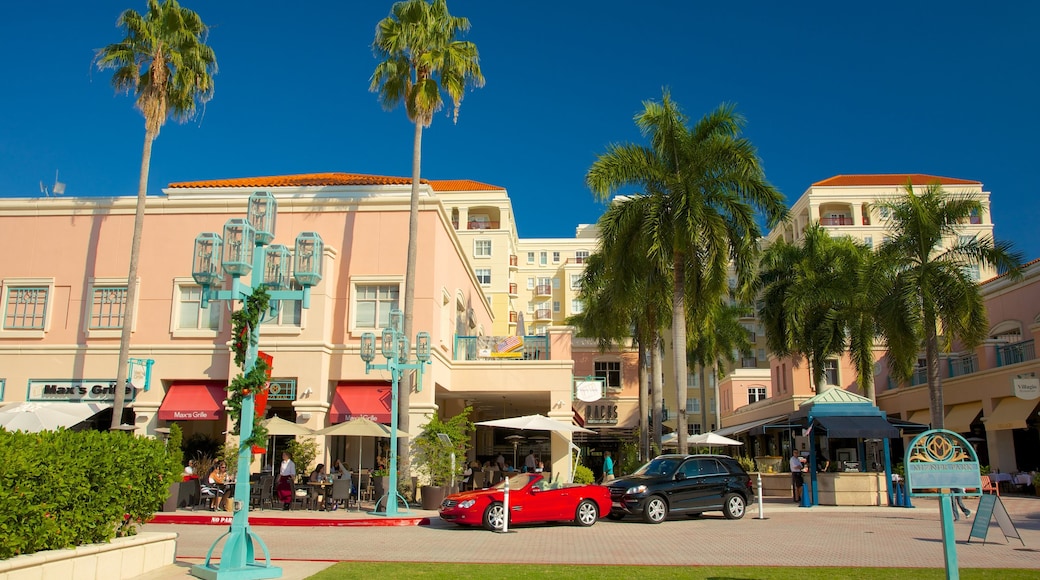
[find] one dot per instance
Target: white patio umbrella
(359, 427)
(709, 439)
(535, 423)
(33, 417)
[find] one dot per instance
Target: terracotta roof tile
(303, 180)
(461, 185)
(892, 179)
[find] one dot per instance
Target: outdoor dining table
(320, 489)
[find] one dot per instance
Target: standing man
(797, 467)
(530, 462)
(608, 467)
(286, 477)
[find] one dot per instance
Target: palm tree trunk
(405, 385)
(131, 283)
(931, 354)
(704, 402)
(657, 394)
(679, 351)
(644, 403)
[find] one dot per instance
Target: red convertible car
(532, 498)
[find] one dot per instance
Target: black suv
(688, 484)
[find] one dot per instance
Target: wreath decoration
(249, 383)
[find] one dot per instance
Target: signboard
(990, 506)
(939, 460)
(605, 413)
(76, 391)
(1027, 388)
(588, 390)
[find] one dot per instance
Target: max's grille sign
(76, 391)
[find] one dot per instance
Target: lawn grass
(612, 572)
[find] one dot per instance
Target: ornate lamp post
(395, 349)
(244, 249)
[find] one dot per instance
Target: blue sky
(947, 88)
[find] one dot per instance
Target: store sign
(1027, 388)
(603, 414)
(938, 460)
(76, 391)
(588, 391)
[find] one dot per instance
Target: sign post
(940, 463)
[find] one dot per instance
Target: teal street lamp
(245, 249)
(396, 350)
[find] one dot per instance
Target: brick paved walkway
(822, 536)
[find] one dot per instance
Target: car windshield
(515, 482)
(658, 466)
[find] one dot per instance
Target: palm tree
(624, 291)
(165, 62)
(702, 186)
(421, 58)
(926, 261)
(721, 336)
(813, 297)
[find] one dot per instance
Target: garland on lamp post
(255, 380)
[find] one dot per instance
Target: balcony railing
(836, 221)
(920, 376)
(482, 225)
(543, 314)
(963, 365)
(1015, 353)
(499, 348)
(543, 290)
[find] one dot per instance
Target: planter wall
(122, 558)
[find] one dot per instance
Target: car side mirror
(680, 475)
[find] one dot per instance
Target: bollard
(897, 488)
(505, 507)
(906, 498)
(760, 515)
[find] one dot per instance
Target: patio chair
(262, 492)
(207, 493)
(368, 489)
(341, 491)
(989, 486)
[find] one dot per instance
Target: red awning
(368, 400)
(193, 402)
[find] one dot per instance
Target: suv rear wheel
(655, 510)
(733, 506)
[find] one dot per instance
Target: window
(972, 271)
(965, 240)
(556, 283)
(610, 372)
(830, 371)
(26, 307)
(755, 394)
(107, 308)
(575, 281)
(556, 257)
(580, 256)
(543, 258)
(290, 312)
(530, 283)
(483, 276)
(693, 405)
(530, 257)
(693, 429)
(556, 305)
(883, 212)
(868, 241)
(577, 306)
(482, 248)
(190, 313)
(372, 304)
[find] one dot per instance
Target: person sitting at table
(218, 480)
(340, 471)
(189, 471)
(318, 494)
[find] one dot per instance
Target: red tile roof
(892, 179)
(462, 185)
(303, 180)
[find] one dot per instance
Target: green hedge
(60, 489)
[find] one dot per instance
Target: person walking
(608, 467)
(956, 493)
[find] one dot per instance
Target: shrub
(627, 459)
(432, 457)
(62, 488)
(583, 475)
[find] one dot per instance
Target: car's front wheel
(495, 517)
(655, 510)
(734, 506)
(586, 514)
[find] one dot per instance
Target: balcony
(514, 261)
(920, 376)
(963, 365)
(543, 290)
(512, 288)
(501, 348)
(543, 314)
(1015, 353)
(836, 221)
(748, 362)
(481, 225)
